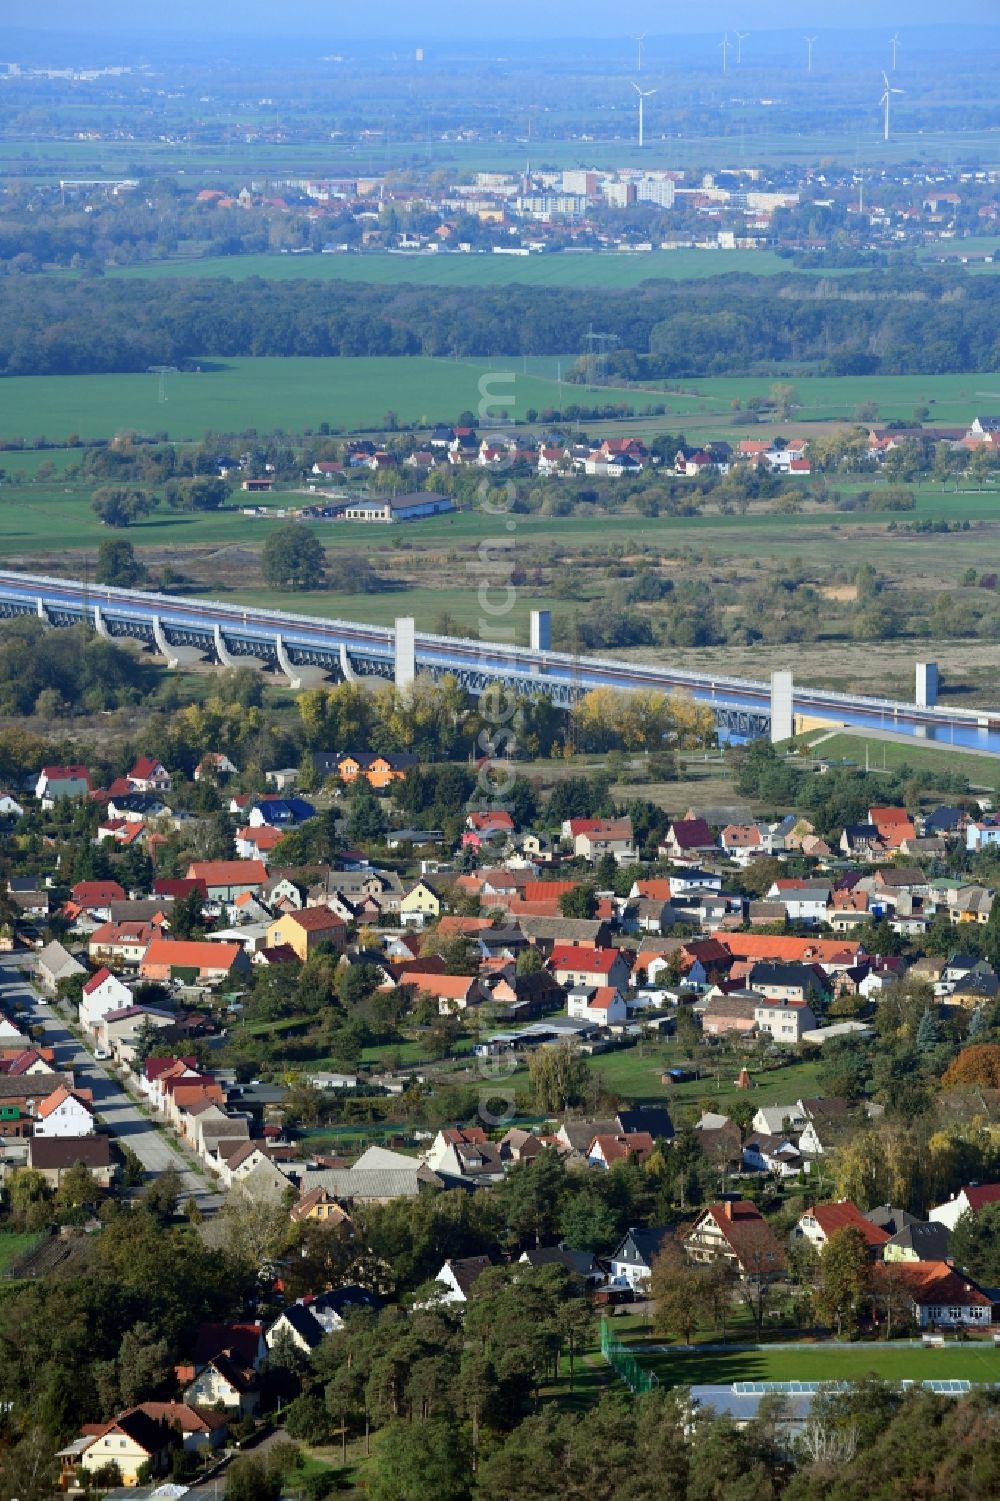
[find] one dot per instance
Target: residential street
(122, 1117)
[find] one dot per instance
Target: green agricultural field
(288, 395)
(952, 400)
(270, 395)
(609, 271)
(956, 1362)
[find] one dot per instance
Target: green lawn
(611, 271)
(15, 1244)
(956, 1362)
(634, 1074)
(891, 754)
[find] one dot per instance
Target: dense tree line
(48, 672)
(898, 322)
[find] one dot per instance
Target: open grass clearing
(15, 1244)
(890, 755)
(634, 1074)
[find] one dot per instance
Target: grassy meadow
(890, 755)
(56, 514)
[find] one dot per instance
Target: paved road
(153, 1148)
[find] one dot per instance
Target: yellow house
(421, 904)
(131, 1441)
(304, 931)
(319, 1204)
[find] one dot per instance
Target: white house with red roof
(602, 1004)
(96, 897)
(102, 993)
(64, 1113)
(820, 1221)
(941, 1296)
(552, 459)
(149, 775)
(626, 1146)
(969, 1200)
(575, 965)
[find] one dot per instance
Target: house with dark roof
(54, 1156)
(918, 1241)
(631, 1262)
(225, 1380)
(652, 1118)
(298, 1326)
(332, 1308)
(458, 1277)
(687, 839)
(134, 1441)
(582, 1266)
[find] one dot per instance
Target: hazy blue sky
(437, 18)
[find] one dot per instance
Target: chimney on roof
(729, 1209)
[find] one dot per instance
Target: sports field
(288, 395)
(609, 271)
(892, 1362)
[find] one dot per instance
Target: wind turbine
(639, 41)
(809, 41)
(885, 100)
(644, 94)
(725, 44)
(741, 37)
(894, 43)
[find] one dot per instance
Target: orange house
(381, 771)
